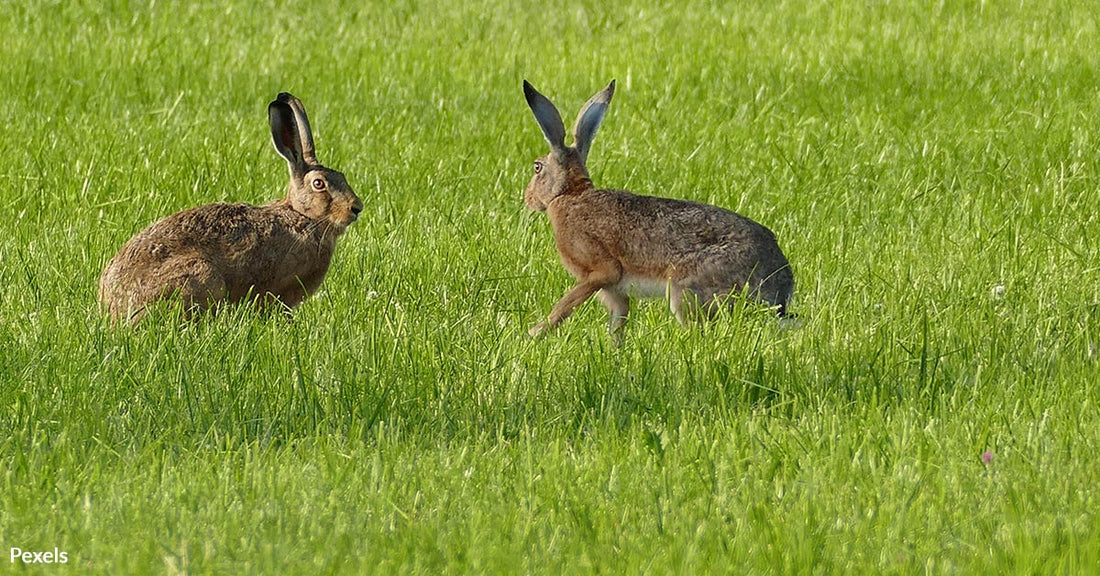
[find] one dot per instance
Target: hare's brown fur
(278, 252)
(619, 244)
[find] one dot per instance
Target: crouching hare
(275, 253)
(619, 244)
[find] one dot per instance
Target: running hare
(619, 244)
(278, 252)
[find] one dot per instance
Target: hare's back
(712, 249)
(683, 226)
(214, 230)
(226, 239)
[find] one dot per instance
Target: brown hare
(619, 244)
(275, 253)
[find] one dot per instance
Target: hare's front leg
(565, 306)
(618, 305)
(592, 283)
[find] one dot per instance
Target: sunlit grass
(930, 171)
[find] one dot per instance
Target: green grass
(915, 160)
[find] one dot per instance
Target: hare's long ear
(547, 116)
(285, 135)
(589, 118)
(304, 131)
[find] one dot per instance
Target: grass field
(932, 170)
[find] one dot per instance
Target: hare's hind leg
(198, 287)
(688, 305)
(680, 309)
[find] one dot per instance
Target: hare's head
(320, 193)
(563, 170)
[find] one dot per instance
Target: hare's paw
(538, 329)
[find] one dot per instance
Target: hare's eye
(318, 184)
(538, 167)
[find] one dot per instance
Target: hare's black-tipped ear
(305, 134)
(589, 119)
(547, 116)
(284, 133)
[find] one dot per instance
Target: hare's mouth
(347, 220)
